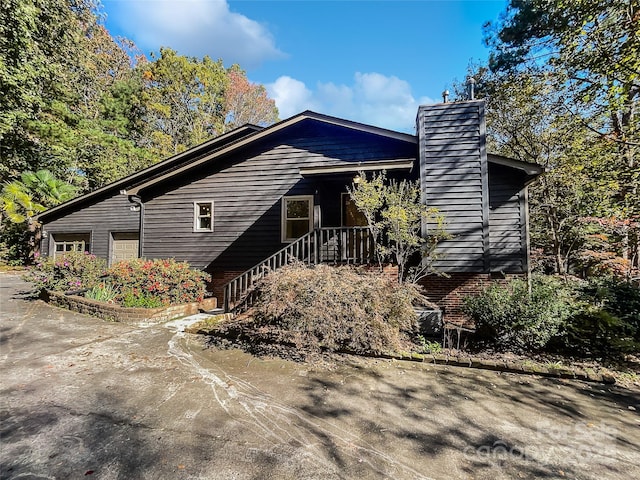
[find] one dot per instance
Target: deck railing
(339, 245)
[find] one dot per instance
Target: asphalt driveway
(84, 398)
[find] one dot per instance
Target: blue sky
(369, 61)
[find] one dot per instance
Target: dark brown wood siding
(507, 220)
(453, 177)
(99, 218)
(247, 188)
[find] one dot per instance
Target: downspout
(136, 199)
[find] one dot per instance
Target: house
(255, 196)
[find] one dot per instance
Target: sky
(372, 61)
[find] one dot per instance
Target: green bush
(596, 317)
(168, 281)
(605, 320)
(338, 309)
(140, 300)
(69, 272)
(508, 318)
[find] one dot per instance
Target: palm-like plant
(18, 205)
(46, 188)
(23, 199)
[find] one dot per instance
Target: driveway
(84, 398)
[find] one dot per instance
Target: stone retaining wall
(116, 313)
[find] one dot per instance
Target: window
(297, 217)
(203, 216)
(72, 242)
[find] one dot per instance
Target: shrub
(169, 281)
(72, 271)
(140, 300)
(508, 318)
(606, 319)
(336, 308)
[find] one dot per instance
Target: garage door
(124, 247)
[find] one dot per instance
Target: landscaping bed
(305, 313)
(241, 333)
(116, 313)
(132, 291)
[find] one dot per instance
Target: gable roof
(159, 168)
(243, 136)
(273, 129)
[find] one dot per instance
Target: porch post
(317, 216)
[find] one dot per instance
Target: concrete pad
(84, 398)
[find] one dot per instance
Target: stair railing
(335, 245)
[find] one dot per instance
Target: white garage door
(124, 247)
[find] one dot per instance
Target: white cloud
(198, 28)
(373, 98)
(291, 96)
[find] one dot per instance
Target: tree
(247, 102)
(395, 214)
(526, 120)
(21, 201)
(40, 48)
(185, 100)
(91, 109)
(589, 51)
(57, 64)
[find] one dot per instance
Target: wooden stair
(337, 246)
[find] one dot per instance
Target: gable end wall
(111, 214)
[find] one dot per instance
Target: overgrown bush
(508, 318)
(338, 309)
(168, 281)
(69, 272)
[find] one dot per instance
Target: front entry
(351, 216)
(124, 246)
(358, 241)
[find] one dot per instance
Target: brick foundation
(116, 313)
(388, 270)
(219, 279)
(449, 292)
(446, 292)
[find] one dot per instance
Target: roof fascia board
(125, 181)
(396, 164)
(363, 127)
(532, 169)
(270, 131)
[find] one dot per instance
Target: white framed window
(71, 242)
(203, 216)
(297, 216)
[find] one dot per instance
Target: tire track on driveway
(282, 425)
